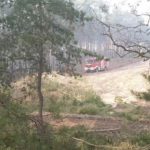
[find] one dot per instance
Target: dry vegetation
(61, 94)
(71, 102)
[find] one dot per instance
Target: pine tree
(34, 27)
(143, 95)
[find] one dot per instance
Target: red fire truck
(94, 65)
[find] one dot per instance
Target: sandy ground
(96, 123)
(118, 83)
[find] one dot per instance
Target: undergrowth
(61, 97)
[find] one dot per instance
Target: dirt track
(118, 83)
(98, 124)
(91, 122)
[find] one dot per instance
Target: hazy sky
(143, 6)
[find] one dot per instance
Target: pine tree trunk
(40, 73)
(40, 94)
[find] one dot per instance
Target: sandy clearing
(119, 83)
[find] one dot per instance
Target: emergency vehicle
(94, 65)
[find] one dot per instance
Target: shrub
(142, 139)
(63, 138)
(129, 116)
(89, 109)
(143, 95)
(92, 105)
(92, 98)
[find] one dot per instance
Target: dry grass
(61, 94)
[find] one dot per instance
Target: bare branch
(130, 46)
(93, 145)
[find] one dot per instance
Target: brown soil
(97, 123)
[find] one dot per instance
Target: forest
(48, 101)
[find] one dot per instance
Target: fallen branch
(104, 130)
(91, 117)
(93, 145)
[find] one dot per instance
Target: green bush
(89, 109)
(141, 139)
(16, 132)
(92, 98)
(92, 105)
(143, 95)
(63, 139)
(128, 116)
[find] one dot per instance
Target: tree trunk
(39, 92)
(40, 73)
